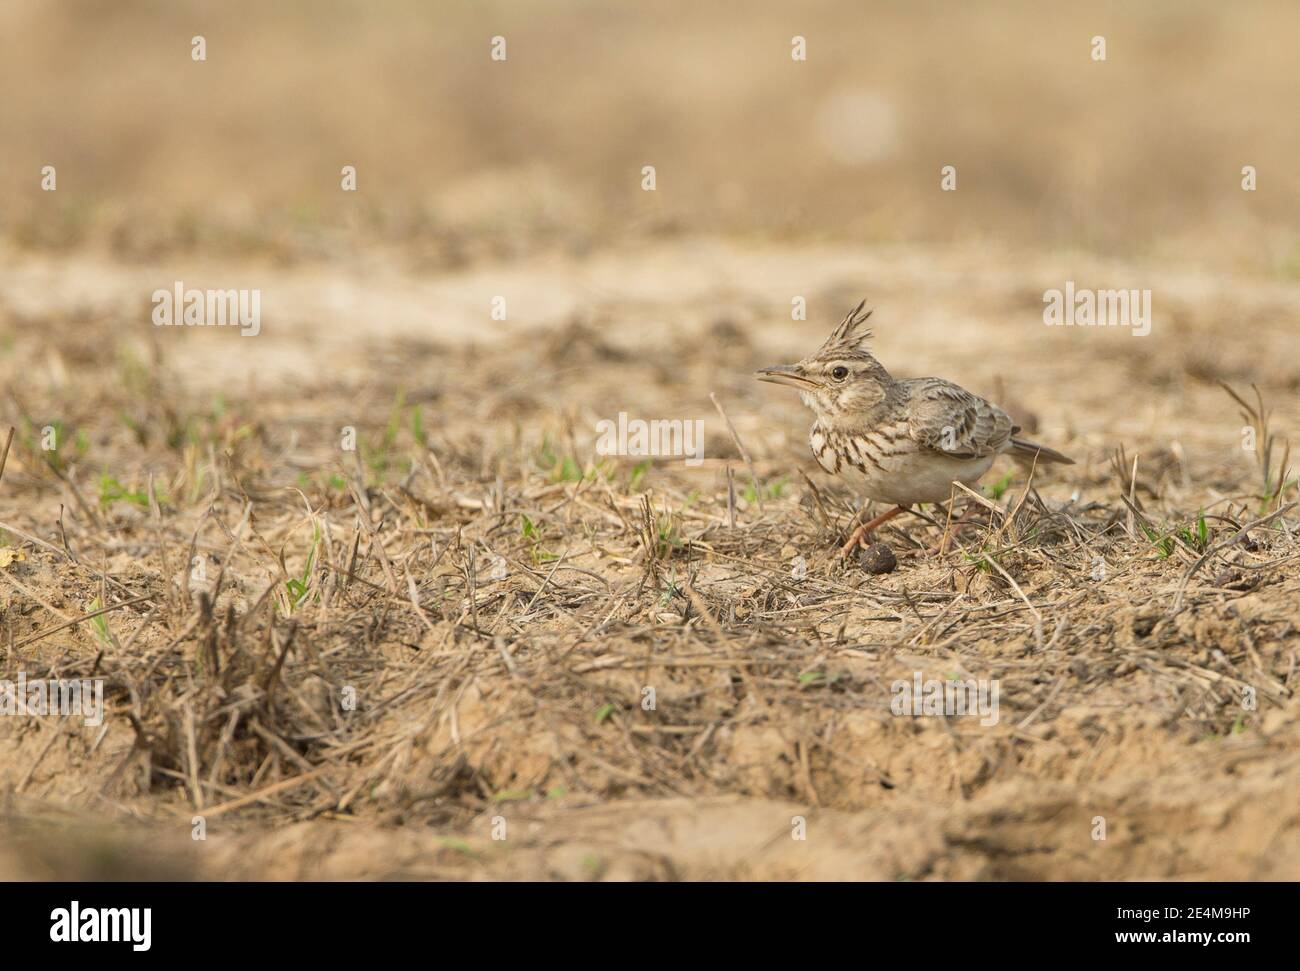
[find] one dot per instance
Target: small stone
(1144, 624)
(877, 558)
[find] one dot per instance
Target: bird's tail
(1025, 450)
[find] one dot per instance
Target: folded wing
(948, 419)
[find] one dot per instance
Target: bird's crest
(850, 334)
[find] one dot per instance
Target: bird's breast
(826, 456)
(887, 465)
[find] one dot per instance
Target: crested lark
(901, 442)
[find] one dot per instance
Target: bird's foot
(857, 538)
(940, 549)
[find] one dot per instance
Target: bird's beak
(789, 374)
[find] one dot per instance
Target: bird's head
(842, 382)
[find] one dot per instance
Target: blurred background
(463, 158)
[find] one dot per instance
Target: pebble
(877, 558)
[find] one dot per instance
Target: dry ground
(496, 596)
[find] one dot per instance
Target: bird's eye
(840, 373)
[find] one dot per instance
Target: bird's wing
(945, 418)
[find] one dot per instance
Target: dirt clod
(878, 558)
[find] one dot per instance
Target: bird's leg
(866, 529)
(951, 534)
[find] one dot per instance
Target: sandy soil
(492, 704)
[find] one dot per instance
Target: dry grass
(356, 663)
(496, 598)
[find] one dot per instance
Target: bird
(901, 442)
